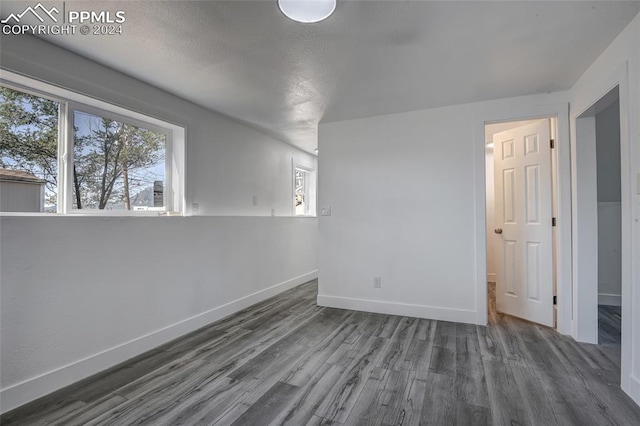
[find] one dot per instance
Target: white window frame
(69, 142)
(69, 102)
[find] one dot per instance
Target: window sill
(142, 214)
(96, 214)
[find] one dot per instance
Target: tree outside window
(116, 165)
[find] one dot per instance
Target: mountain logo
(34, 11)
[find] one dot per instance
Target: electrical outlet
(195, 208)
(377, 282)
(325, 211)
(255, 200)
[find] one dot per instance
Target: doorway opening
(598, 130)
(520, 202)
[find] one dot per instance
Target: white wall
(65, 317)
(609, 209)
(608, 153)
(619, 65)
(609, 253)
(80, 294)
(407, 203)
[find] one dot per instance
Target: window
(85, 156)
(116, 165)
(28, 152)
(304, 190)
(301, 193)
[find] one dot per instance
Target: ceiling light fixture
(307, 11)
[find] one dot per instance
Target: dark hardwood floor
(288, 361)
(609, 325)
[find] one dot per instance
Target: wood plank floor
(287, 361)
(609, 325)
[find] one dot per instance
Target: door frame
(586, 291)
(561, 166)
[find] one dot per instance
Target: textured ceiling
(246, 60)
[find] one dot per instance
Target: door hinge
(552, 143)
(553, 221)
(555, 300)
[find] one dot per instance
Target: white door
(523, 213)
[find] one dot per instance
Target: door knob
(498, 230)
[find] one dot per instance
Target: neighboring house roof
(7, 175)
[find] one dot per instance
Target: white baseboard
(402, 309)
(36, 387)
(609, 299)
(491, 277)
